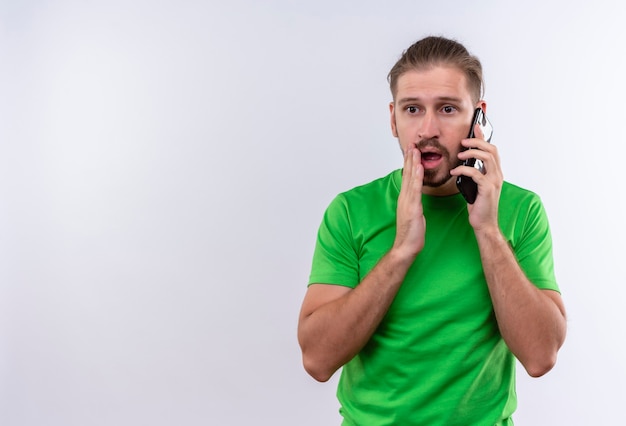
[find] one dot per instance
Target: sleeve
(335, 258)
(534, 247)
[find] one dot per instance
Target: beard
(441, 175)
(434, 180)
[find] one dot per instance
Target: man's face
(433, 110)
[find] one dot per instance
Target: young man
(423, 299)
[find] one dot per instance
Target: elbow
(541, 366)
(319, 375)
(313, 363)
(539, 370)
(316, 369)
(540, 360)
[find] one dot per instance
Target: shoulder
(514, 197)
(521, 210)
(386, 186)
(510, 190)
(367, 204)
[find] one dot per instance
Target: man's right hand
(410, 221)
(336, 322)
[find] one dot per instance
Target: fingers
(478, 132)
(490, 160)
(490, 180)
(481, 150)
(477, 141)
(413, 172)
(410, 221)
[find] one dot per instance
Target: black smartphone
(466, 185)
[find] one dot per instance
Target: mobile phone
(466, 185)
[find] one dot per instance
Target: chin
(436, 180)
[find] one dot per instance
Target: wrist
(491, 235)
(401, 258)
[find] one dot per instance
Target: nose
(429, 126)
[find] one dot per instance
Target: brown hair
(435, 51)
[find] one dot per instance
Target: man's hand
(410, 221)
(483, 214)
(531, 321)
(336, 322)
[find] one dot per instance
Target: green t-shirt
(437, 358)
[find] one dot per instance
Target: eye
(448, 109)
(412, 109)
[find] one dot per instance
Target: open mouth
(433, 153)
(431, 156)
(431, 160)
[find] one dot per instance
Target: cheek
(461, 131)
(407, 128)
(453, 138)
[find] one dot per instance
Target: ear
(483, 105)
(394, 130)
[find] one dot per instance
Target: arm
(532, 321)
(336, 322)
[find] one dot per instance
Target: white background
(164, 166)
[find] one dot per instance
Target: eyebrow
(451, 99)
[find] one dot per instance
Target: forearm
(531, 322)
(333, 333)
(336, 324)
